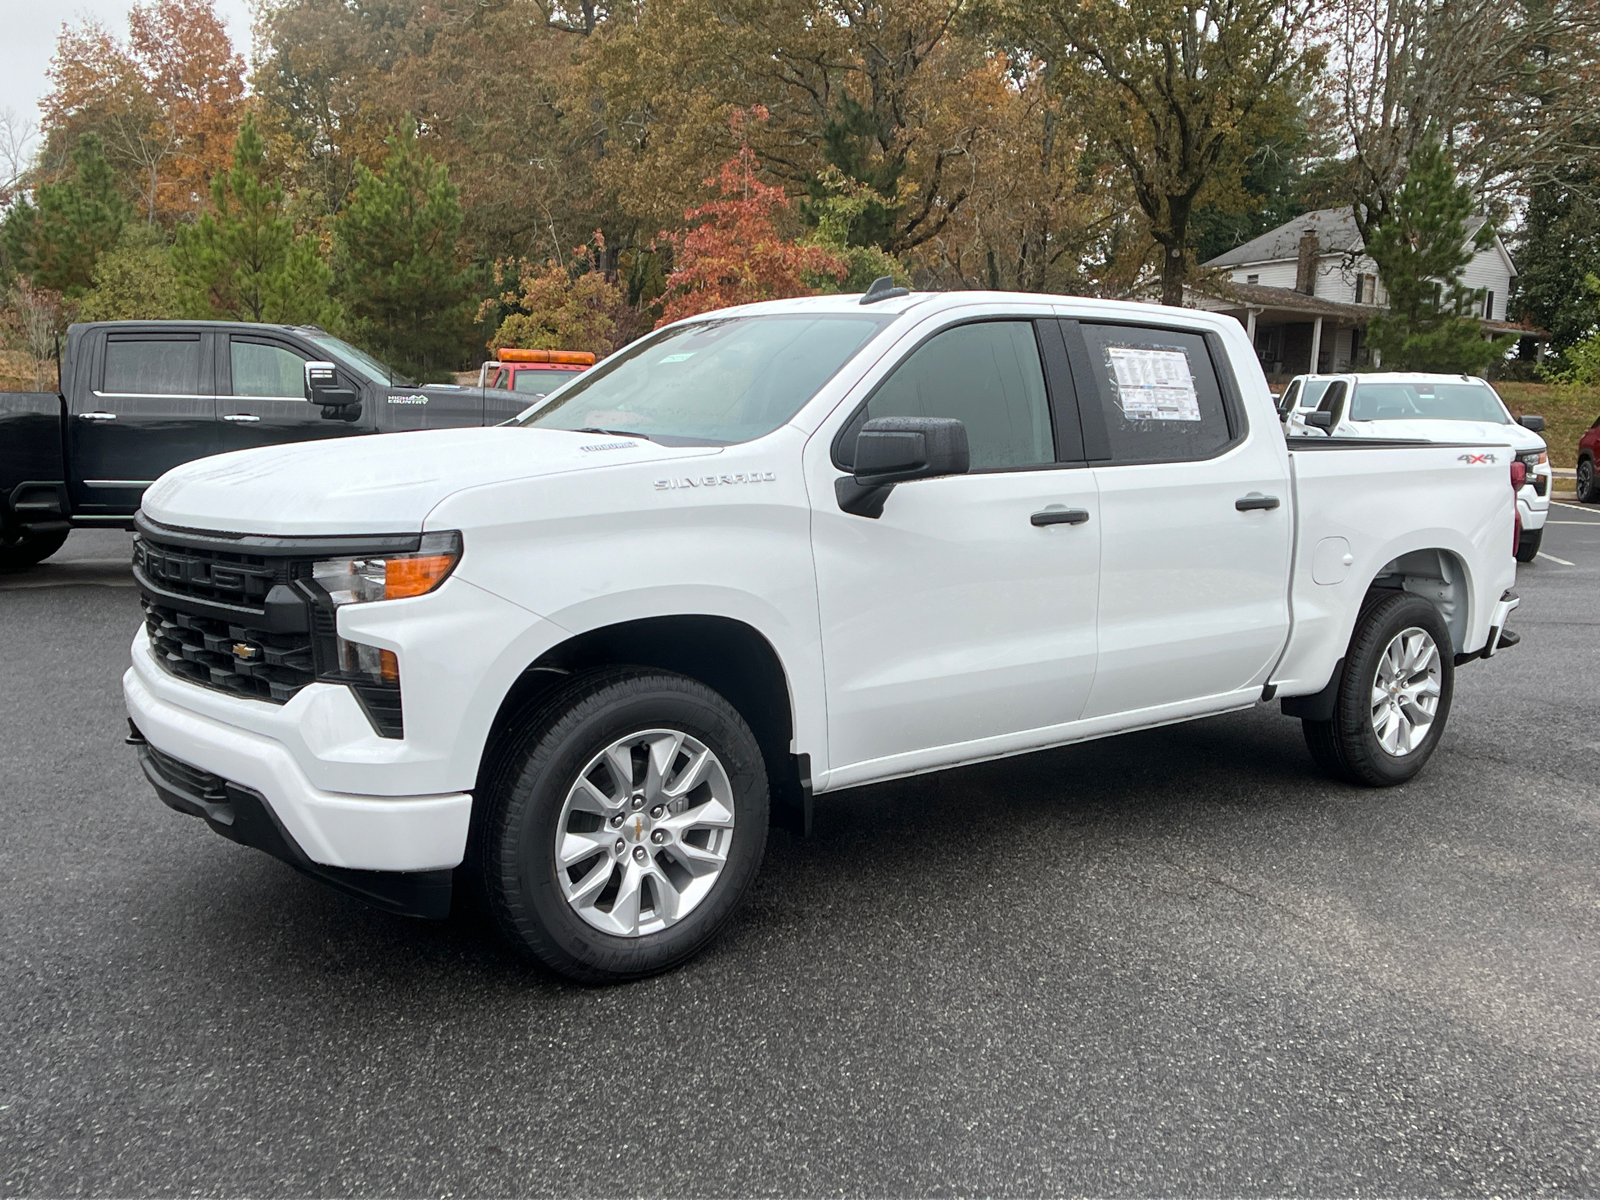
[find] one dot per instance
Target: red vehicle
(1588, 452)
(533, 373)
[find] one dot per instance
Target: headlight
(1533, 458)
(392, 577)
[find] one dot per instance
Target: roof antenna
(883, 288)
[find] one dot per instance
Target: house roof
(1225, 295)
(1336, 234)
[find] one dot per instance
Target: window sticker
(1153, 385)
(676, 357)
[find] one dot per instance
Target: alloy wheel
(644, 833)
(1405, 691)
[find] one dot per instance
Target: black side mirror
(1532, 423)
(891, 450)
(322, 387)
(1320, 420)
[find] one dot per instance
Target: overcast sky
(28, 30)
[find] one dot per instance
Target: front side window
(1158, 393)
(265, 369)
(1427, 402)
(712, 382)
(155, 366)
(1291, 397)
(986, 375)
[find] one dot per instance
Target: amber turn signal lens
(415, 575)
(388, 666)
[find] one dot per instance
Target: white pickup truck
(578, 662)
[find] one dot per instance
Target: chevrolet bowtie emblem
(638, 829)
(245, 652)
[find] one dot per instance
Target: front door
(955, 618)
(261, 396)
(1196, 530)
(149, 407)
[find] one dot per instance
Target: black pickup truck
(139, 397)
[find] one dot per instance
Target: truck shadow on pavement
(937, 845)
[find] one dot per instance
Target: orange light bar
(415, 575)
(578, 358)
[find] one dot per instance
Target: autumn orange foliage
(166, 103)
(734, 252)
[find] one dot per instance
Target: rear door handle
(97, 416)
(241, 417)
(1060, 516)
(1255, 500)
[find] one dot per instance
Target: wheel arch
(730, 656)
(1438, 575)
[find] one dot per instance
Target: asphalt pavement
(1178, 962)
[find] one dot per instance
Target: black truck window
(266, 369)
(164, 365)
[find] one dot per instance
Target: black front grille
(233, 658)
(220, 576)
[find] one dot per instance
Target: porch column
(1250, 324)
(1316, 345)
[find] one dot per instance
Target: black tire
(18, 550)
(512, 850)
(1347, 747)
(1587, 488)
(1528, 545)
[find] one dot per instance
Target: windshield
(712, 382)
(358, 361)
(1427, 402)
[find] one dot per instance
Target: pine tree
(57, 238)
(406, 298)
(1421, 247)
(242, 260)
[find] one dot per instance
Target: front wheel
(24, 549)
(1393, 698)
(1588, 490)
(1528, 545)
(623, 824)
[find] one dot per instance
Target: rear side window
(1157, 392)
(986, 375)
(156, 366)
(265, 369)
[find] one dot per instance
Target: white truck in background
(578, 663)
(1411, 405)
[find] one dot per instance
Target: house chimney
(1305, 272)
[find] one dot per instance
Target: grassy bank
(1567, 411)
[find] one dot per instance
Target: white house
(1306, 291)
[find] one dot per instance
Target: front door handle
(241, 417)
(97, 416)
(1060, 516)
(1255, 500)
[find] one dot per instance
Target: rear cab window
(1149, 395)
(152, 364)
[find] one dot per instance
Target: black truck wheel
(24, 549)
(1528, 545)
(621, 824)
(1393, 699)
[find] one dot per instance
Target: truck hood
(376, 483)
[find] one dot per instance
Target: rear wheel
(1588, 491)
(1528, 545)
(24, 549)
(623, 825)
(1394, 696)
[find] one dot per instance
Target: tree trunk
(1174, 252)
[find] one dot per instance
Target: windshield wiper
(615, 432)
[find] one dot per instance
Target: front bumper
(244, 816)
(1533, 508)
(330, 829)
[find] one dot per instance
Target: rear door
(148, 407)
(261, 398)
(1195, 534)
